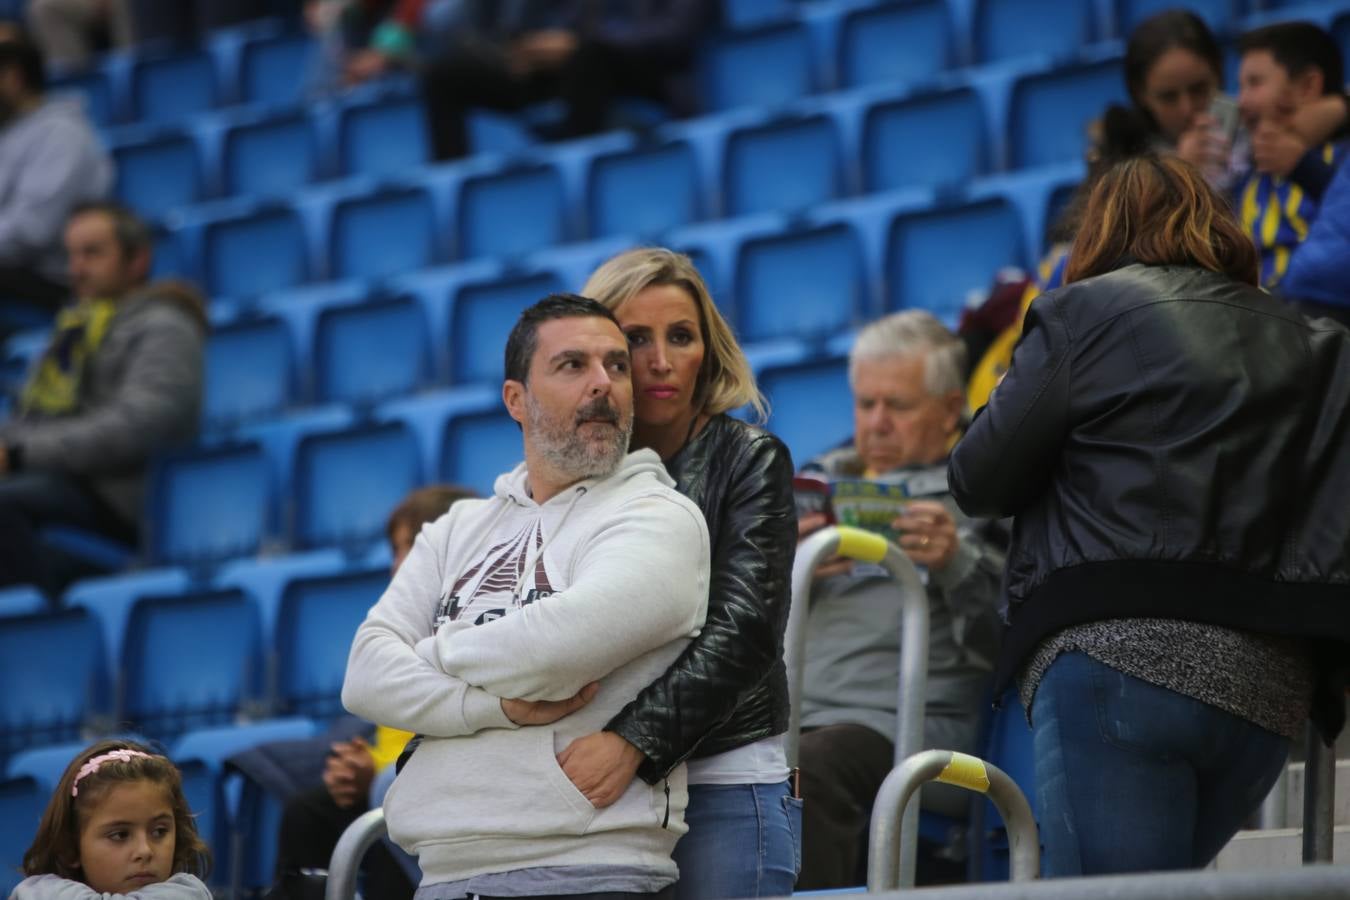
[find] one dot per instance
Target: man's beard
(569, 453)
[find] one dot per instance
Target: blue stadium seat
(49, 665)
(346, 482)
(191, 661)
(937, 140)
(21, 600)
(939, 257)
(269, 155)
(748, 13)
(210, 504)
(94, 88)
(264, 578)
(276, 69)
(643, 192)
(1218, 14)
(170, 88)
(1049, 112)
(714, 247)
(767, 67)
(482, 315)
(1038, 195)
(281, 436)
(511, 213)
(157, 174)
(786, 165)
(249, 371)
(370, 351)
(253, 251)
(382, 137)
(22, 800)
(478, 447)
(1005, 29)
(805, 283)
(382, 234)
(427, 414)
(812, 409)
(316, 621)
(895, 42)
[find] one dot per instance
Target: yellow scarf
(54, 388)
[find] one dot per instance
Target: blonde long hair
(725, 381)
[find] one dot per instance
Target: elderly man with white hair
(907, 375)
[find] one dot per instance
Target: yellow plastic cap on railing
(861, 545)
(966, 771)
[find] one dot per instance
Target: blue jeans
(744, 840)
(1133, 777)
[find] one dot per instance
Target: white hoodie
(507, 598)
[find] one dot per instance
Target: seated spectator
(120, 380)
(906, 372)
(315, 818)
(1318, 280)
(1285, 68)
(364, 39)
(510, 56)
(50, 162)
(184, 22)
(71, 31)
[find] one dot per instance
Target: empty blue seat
(643, 192)
(249, 371)
(810, 405)
(366, 352)
(316, 622)
(786, 165)
(22, 801)
(190, 661)
(383, 137)
(254, 252)
(1218, 14)
(427, 413)
(169, 89)
(1049, 112)
(1004, 29)
(382, 234)
(936, 140)
(511, 213)
(210, 504)
(482, 315)
(936, 259)
(158, 174)
(804, 283)
(49, 665)
(276, 69)
(478, 447)
(271, 156)
(347, 482)
(767, 67)
(895, 42)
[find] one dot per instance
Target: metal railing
(360, 836)
(962, 770)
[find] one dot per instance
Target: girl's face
(127, 840)
(662, 327)
(1178, 87)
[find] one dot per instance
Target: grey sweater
(50, 162)
(53, 887)
(141, 394)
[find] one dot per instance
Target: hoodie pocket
(567, 791)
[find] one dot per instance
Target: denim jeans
(1133, 777)
(744, 840)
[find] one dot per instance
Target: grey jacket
(853, 637)
(50, 162)
(142, 394)
(53, 887)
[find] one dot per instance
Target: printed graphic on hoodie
(510, 575)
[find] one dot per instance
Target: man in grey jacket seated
(907, 373)
(120, 380)
(524, 621)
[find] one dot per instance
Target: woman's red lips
(663, 391)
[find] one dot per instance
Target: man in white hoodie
(522, 622)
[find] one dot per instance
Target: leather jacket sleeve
(748, 598)
(1006, 457)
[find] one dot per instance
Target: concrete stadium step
(1275, 848)
(1294, 807)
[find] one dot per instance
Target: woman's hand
(1204, 146)
(601, 765)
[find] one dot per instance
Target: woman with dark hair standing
(1171, 441)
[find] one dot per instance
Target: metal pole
(1319, 796)
(351, 848)
(810, 552)
(964, 771)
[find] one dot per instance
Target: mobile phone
(812, 495)
(1224, 110)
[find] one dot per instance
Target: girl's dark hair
(1168, 30)
(1159, 210)
(56, 846)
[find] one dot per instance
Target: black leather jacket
(728, 688)
(1173, 444)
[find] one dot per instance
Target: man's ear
(953, 408)
(1310, 84)
(513, 395)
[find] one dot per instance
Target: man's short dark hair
(1298, 47)
(22, 54)
(520, 346)
(132, 234)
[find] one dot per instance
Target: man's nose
(600, 380)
